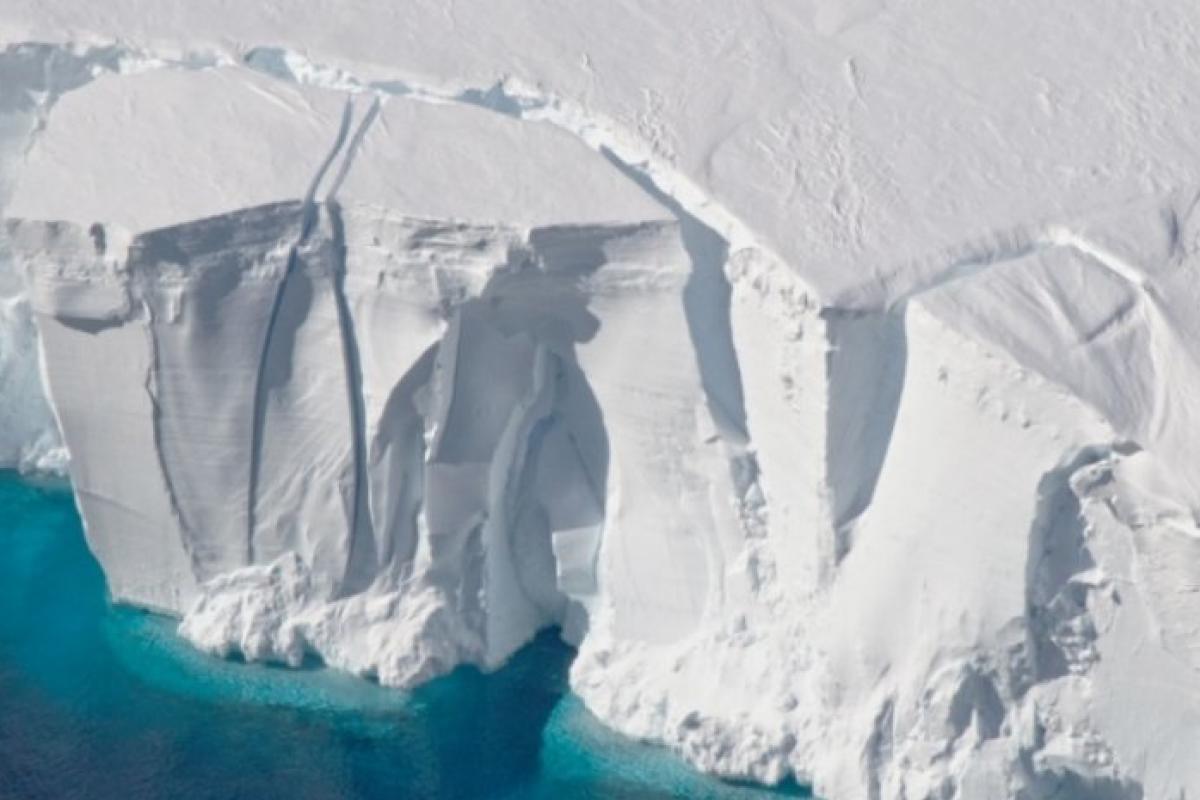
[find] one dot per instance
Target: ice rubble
(401, 382)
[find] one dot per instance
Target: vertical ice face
(206, 291)
(130, 506)
(29, 437)
(517, 442)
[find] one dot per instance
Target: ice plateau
(827, 372)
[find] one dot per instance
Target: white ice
(827, 371)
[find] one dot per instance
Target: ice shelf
(837, 404)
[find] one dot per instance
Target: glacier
(835, 403)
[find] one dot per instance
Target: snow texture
(826, 372)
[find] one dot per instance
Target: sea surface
(102, 702)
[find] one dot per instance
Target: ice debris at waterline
(827, 375)
(106, 703)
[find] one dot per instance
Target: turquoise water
(99, 702)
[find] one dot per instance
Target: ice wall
(375, 406)
(393, 405)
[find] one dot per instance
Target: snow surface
(825, 370)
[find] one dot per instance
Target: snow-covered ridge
(929, 537)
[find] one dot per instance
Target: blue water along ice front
(106, 703)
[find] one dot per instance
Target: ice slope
(843, 418)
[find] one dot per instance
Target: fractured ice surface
(837, 442)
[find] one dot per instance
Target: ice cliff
(875, 469)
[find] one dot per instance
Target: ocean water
(100, 702)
